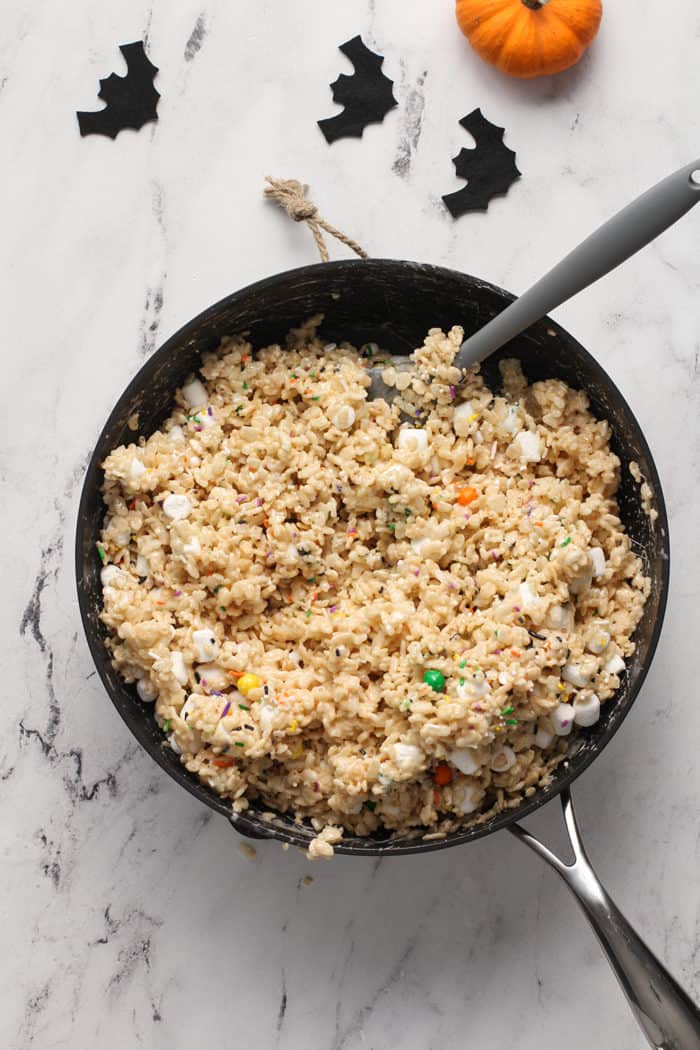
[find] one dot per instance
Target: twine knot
(290, 194)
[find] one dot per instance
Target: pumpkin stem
(534, 5)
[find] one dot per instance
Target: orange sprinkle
(244, 358)
(539, 524)
(236, 674)
(223, 763)
(160, 603)
(289, 597)
(515, 653)
(443, 774)
(467, 496)
(266, 523)
(470, 462)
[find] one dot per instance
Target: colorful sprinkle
(224, 763)
(101, 552)
(166, 725)
(566, 542)
(227, 707)
(238, 744)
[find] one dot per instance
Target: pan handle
(666, 1014)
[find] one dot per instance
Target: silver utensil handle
(619, 238)
(668, 1017)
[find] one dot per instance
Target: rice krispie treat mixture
(360, 620)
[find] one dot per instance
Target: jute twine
(291, 195)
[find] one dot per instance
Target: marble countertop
(130, 916)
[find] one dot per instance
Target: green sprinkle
(507, 710)
(238, 744)
(461, 681)
(315, 398)
(222, 608)
(101, 552)
(294, 375)
(243, 707)
(245, 386)
(371, 806)
(307, 614)
(463, 663)
(511, 721)
(166, 725)
(312, 375)
(311, 579)
(239, 408)
(566, 542)
(391, 527)
(408, 512)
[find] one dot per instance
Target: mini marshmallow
(598, 641)
(475, 687)
(146, 691)
(467, 799)
(463, 760)
(558, 617)
(174, 744)
(576, 675)
(462, 418)
(178, 667)
(206, 645)
(407, 755)
(586, 710)
(529, 446)
(192, 547)
(598, 559)
(188, 705)
(562, 718)
(512, 422)
(543, 738)
(615, 664)
(503, 760)
(412, 439)
(109, 574)
(344, 417)
(175, 433)
(142, 566)
(194, 394)
(396, 476)
(136, 469)
(213, 677)
(176, 506)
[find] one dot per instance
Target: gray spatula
(619, 238)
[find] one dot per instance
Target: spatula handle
(619, 238)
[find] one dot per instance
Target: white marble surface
(129, 915)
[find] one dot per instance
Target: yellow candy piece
(247, 682)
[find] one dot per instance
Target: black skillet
(394, 303)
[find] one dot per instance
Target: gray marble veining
(129, 915)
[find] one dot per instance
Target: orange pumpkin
(530, 38)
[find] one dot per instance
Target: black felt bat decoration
(489, 167)
(366, 96)
(131, 99)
